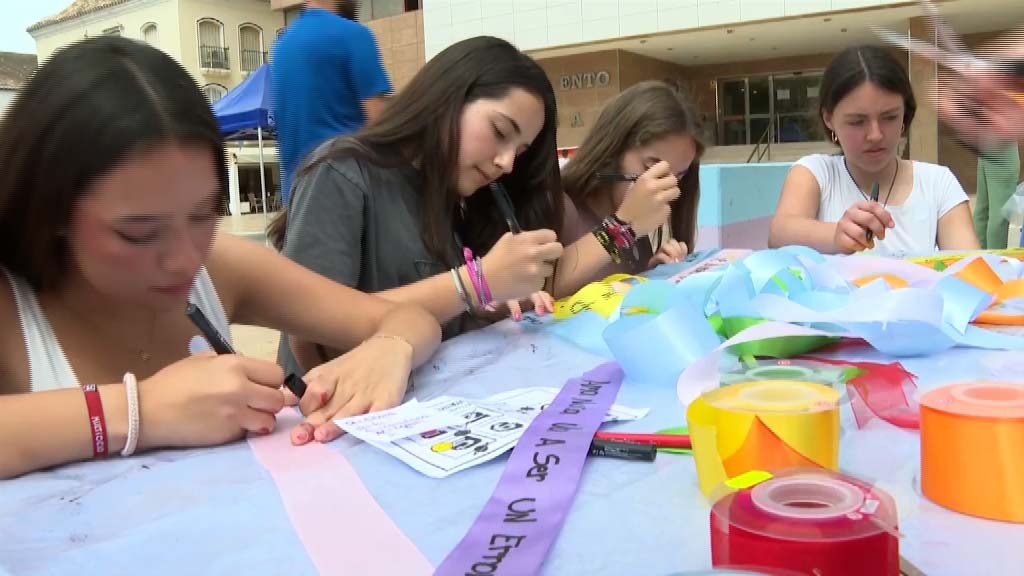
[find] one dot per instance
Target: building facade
(397, 26)
(752, 66)
(218, 41)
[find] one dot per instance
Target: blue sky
(17, 15)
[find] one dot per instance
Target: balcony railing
(253, 59)
(214, 58)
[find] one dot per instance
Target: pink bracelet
(476, 277)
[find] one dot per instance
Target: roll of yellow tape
(763, 425)
(972, 449)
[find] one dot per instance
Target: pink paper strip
(335, 516)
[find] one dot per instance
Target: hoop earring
(835, 139)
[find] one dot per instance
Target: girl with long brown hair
(403, 207)
(639, 164)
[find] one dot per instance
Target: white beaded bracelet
(131, 387)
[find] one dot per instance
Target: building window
(214, 92)
(150, 35)
(250, 44)
(775, 107)
(375, 9)
(213, 54)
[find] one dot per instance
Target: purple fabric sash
(515, 530)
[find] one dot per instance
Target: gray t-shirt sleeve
(325, 222)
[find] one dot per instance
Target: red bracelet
(97, 424)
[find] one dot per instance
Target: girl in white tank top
(109, 201)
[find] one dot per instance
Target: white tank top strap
(49, 368)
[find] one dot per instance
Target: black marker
(504, 203)
(612, 177)
(874, 198)
(623, 450)
(221, 346)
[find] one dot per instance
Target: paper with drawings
(486, 429)
(399, 422)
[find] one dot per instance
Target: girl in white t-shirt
(868, 197)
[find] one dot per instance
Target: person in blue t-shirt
(327, 79)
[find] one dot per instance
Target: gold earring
(835, 139)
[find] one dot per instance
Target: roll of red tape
(815, 522)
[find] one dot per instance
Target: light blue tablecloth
(217, 511)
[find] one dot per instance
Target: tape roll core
(990, 395)
(803, 497)
(780, 373)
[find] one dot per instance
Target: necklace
(891, 184)
(140, 351)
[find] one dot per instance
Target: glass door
(759, 90)
(796, 107)
(732, 113)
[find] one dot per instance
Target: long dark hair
(90, 106)
(857, 65)
(422, 124)
(643, 113)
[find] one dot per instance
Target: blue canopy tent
(246, 112)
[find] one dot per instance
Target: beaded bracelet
(618, 239)
(131, 388)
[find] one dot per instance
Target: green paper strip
(784, 347)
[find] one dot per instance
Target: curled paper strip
(875, 390)
(703, 375)
(602, 297)
(900, 308)
(880, 390)
(656, 348)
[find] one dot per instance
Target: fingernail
(517, 316)
(320, 435)
(264, 430)
(301, 436)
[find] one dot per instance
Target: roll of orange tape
(972, 449)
